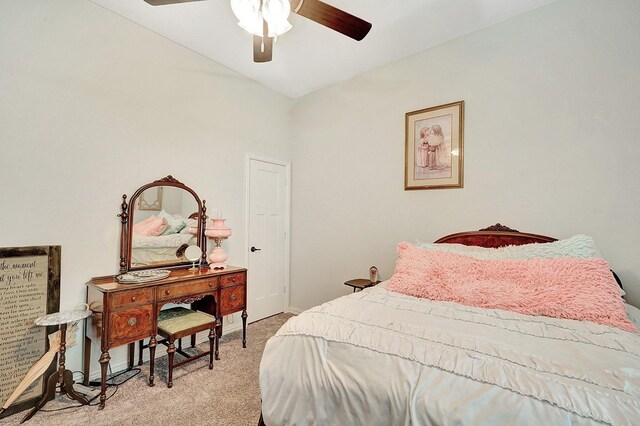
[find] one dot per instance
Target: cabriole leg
(104, 364)
(244, 328)
(218, 335)
(171, 350)
(212, 340)
(152, 355)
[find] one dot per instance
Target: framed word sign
(29, 288)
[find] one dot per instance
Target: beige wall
(93, 106)
(552, 146)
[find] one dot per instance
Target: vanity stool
(176, 323)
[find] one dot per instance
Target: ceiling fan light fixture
(276, 12)
(278, 29)
(252, 24)
(244, 8)
(248, 14)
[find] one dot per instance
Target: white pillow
(190, 223)
(580, 246)
(175, 225)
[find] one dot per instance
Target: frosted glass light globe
(276, 12)
(249, 15)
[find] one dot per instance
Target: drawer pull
(233, 296)
(167, 292)
(210, 285)
(133, 298)
(132, 321)
(233, 279)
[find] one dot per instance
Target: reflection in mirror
(165, 223)
(151, 199)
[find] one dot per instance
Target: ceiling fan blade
(263, 46)
(333, 18)
(163, 2)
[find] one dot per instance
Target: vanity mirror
(160, 221)
(193, 254)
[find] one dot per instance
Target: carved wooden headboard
(495, 236)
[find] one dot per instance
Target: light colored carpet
(228, 395)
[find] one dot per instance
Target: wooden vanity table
(126, 313)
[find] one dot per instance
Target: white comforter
(161, 241)
(382, 358)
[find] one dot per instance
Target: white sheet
(382, 358)
(158, 250)
(634, 314)
(170, 240)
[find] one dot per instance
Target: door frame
(287, 217)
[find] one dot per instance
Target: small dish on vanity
(143, 276)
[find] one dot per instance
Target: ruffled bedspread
(161, 241)
(380, 358)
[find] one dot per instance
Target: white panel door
(267, 238)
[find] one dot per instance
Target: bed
(156, 250)
(380, 357)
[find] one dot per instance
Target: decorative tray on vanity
(143, 276)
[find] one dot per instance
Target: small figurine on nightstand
(362, 283)
(373, 274)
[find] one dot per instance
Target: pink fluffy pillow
(579, 289)
(151, 226)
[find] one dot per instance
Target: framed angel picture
(151, 199)
(433, 147)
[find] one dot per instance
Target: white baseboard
(295, 311)
(230, 328)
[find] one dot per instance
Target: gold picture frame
(151, 199)
(434, 139)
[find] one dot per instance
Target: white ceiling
(311, 56)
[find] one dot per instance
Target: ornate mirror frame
(126, 219)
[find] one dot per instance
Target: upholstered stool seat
(178, 320)
(176, 323)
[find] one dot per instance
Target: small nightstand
(360, 283)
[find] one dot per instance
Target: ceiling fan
(267, 19)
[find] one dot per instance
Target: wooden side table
(360, 283)
(62, 377)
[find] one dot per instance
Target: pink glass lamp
(218, 232)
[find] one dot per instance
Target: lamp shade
(249, 15)
(218, 230)
(276, 12)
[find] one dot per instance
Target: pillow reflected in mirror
(174, 225)
(150, 227)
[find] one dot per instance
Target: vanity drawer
(232, 299)
(233, 279)
(173, 291)
(131, 297)
(131, 324)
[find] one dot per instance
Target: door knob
(254, 249)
